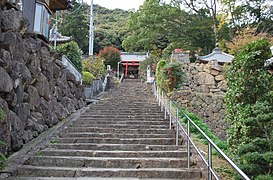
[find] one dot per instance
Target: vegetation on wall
(1, 114)
(173, 75)
(249, 100)
(111, 56)
(2, 156)
(73, 52)
(169, 75)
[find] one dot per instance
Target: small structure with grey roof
(131, 62)
(217, 55)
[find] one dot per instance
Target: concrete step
(128, 126)
(169, 173)
(120, 121)
(94, 153)
(118, 116)
(86, 118)
(86, 178)
(120, 130)
(114, 135)
(113, 147)
(107, 162)
(150, 141)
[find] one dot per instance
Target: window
(41, 23)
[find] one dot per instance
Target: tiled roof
(133, 56)
(217, 55)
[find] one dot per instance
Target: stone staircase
(123, 136)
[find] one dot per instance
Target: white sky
(121, 4)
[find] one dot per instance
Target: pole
(91, 36)
(118, 70)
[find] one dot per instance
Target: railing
(70, 66)
(167, 106)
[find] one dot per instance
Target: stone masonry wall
(36, 91)
(203, 94)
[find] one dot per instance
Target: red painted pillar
(126, 70)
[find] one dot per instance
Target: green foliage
(204, 127)
(1, 114)
(94, 65)
(159, 76)
(111, 56)
(73, 52)
(110, 27)
(152, 61)
(173, 75)
(2, 161)
(87, 78)
(2, 156)
(250, 110)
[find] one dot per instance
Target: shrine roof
(125, 56)
(217, 55)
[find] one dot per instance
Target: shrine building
(130, 62)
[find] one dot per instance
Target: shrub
(94, 65)
(73, 52)
(173, 75)
(159, 76)
(111, 56)
(87, 78)
(250, 110)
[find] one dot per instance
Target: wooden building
(38, 13)
(131, 62)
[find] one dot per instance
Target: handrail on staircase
(167, 105)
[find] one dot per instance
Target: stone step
(94, 153)
(128, 126)
(169, 173)
(125, 113)
(150, 141)
(115, 135)
(120, 130)
(107, 162)
(85, 178)
(121, 121)
(113, 147)
(125, 119)
(117, 116)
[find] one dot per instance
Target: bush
(73, 52)
(249, 114)
(111, 56)
(87, 78)
(159, 76)
(173, 75)
(94, 65)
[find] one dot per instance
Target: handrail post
(176, 138)
(165, 109)
(170, 114)
(209, 162)
(188, 143)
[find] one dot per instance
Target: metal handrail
(167, 107)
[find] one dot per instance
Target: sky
(121, 4)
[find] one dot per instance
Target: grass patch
(53, 141)
(204, 127)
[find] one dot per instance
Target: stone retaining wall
(36, 91)
(203, 94)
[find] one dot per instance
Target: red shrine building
(130, 63)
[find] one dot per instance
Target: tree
(111, 56)
(94, 65)
(249, 100)
(73, 52)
